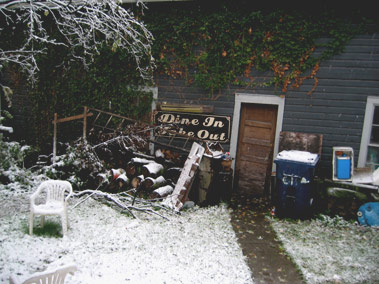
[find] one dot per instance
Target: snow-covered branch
(147, 206)
(83, 26)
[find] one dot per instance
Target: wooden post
(70, 118)
(85, 123)
(55, 136)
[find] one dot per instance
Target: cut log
(131, 170)
(146, 184)
(102, 178)
(134, 167)
(152, 169)
(150, 183)
(141, 161)
(162, 191)
(136, 181)
(123, 181)
(115, 173)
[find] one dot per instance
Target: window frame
(371, 103)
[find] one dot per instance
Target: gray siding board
(357, 40)
(325, 116)
(329, 103)
(333, 140)
(354, 62)
(322, 109)
(356, 56)
(359, 49)
(324, 123)
(344, 83)
(320, 130)
(348, 73)
(338, 92)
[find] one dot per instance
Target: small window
(369, 151)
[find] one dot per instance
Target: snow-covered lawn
(198, 246)
(331, 250)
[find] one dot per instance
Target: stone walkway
(265, 257)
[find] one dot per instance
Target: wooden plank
(75, 117)
(116, 115)
(255, 149)
(185, 107)
(257, 133)
(256, 159)
(254, 141)
(55, 136)
(256, 123)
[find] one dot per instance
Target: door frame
(241, 98)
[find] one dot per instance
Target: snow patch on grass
(198, 246)
(331, 250)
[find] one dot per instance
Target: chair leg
(67, 222)
(31, 219)
(64, 225)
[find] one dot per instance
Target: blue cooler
(343, 167)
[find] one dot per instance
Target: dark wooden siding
(335, 109)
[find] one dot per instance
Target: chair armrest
(70, 193)
(35, 194)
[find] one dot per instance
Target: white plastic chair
(55, 204)
(56, 276)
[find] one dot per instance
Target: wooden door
(255, 147)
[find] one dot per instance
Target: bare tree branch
(147, 206)
(83, 26)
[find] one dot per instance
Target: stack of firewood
(154, 177)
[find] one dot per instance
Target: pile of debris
(115, 162)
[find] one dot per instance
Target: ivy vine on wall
(227, 46)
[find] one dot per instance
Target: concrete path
(266, 259)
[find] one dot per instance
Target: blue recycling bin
(294, 182)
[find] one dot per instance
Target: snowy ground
(198, 246)
(331, 250)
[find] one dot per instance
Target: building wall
(336, 108)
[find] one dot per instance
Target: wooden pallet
(179, 196)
